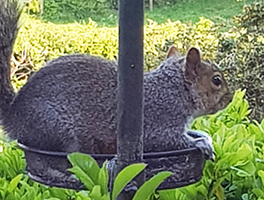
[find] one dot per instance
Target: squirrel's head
(206, 81)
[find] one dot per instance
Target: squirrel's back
(70, 97)
(71, 103)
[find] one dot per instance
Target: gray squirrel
(70, 104)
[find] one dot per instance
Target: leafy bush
(15, 185)
(158, 38)
(39, 42)
(33, 6)
(96, 179)
(241, 54)
(11, 163)
(239, 51)
(78, 8)
(55, 9)
(237, 173)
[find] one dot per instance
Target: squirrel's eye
(217, 80)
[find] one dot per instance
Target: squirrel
(70, 105)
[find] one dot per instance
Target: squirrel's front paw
(202, 141)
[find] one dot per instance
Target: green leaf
(243, 153)
(261, 174)
(11, 197)
(228, 143)
(151, 185)
(219, 192)
(262, 123)
(216, 185)
(203, 190)
(14, 182)
(103, 178)
(245, 197)
(256, 130)
(125, 176)
(245, 169)
(97, 195)
(258, 192)
(85, 178)
(58, 192)
(86, 163)
(166, 194)
(190, 191)
(240, 172)
(88, 171)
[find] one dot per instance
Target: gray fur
(70, 104)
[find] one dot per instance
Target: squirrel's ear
(173, 51)
(193, 59)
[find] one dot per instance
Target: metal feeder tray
(50, 168)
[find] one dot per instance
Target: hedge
(236, 173)
(239, 52)
(39, 42)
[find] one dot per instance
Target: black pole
(130, 88)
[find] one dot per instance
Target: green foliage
(158, 38)
(39, 42)
(241, 54)
(124, 177)
(239, 51)
(88, 171)
(221, 12)
(252, 17)
(33, 6)
(105, 13)
(151, 185)
(11, 162)
(15, 185)
(237, 172)
(77, 10)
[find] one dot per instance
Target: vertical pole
(151, 5)
(130, 87)
(41, 6)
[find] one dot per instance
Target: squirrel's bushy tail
(10, 11)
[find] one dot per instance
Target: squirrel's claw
(202, 141)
